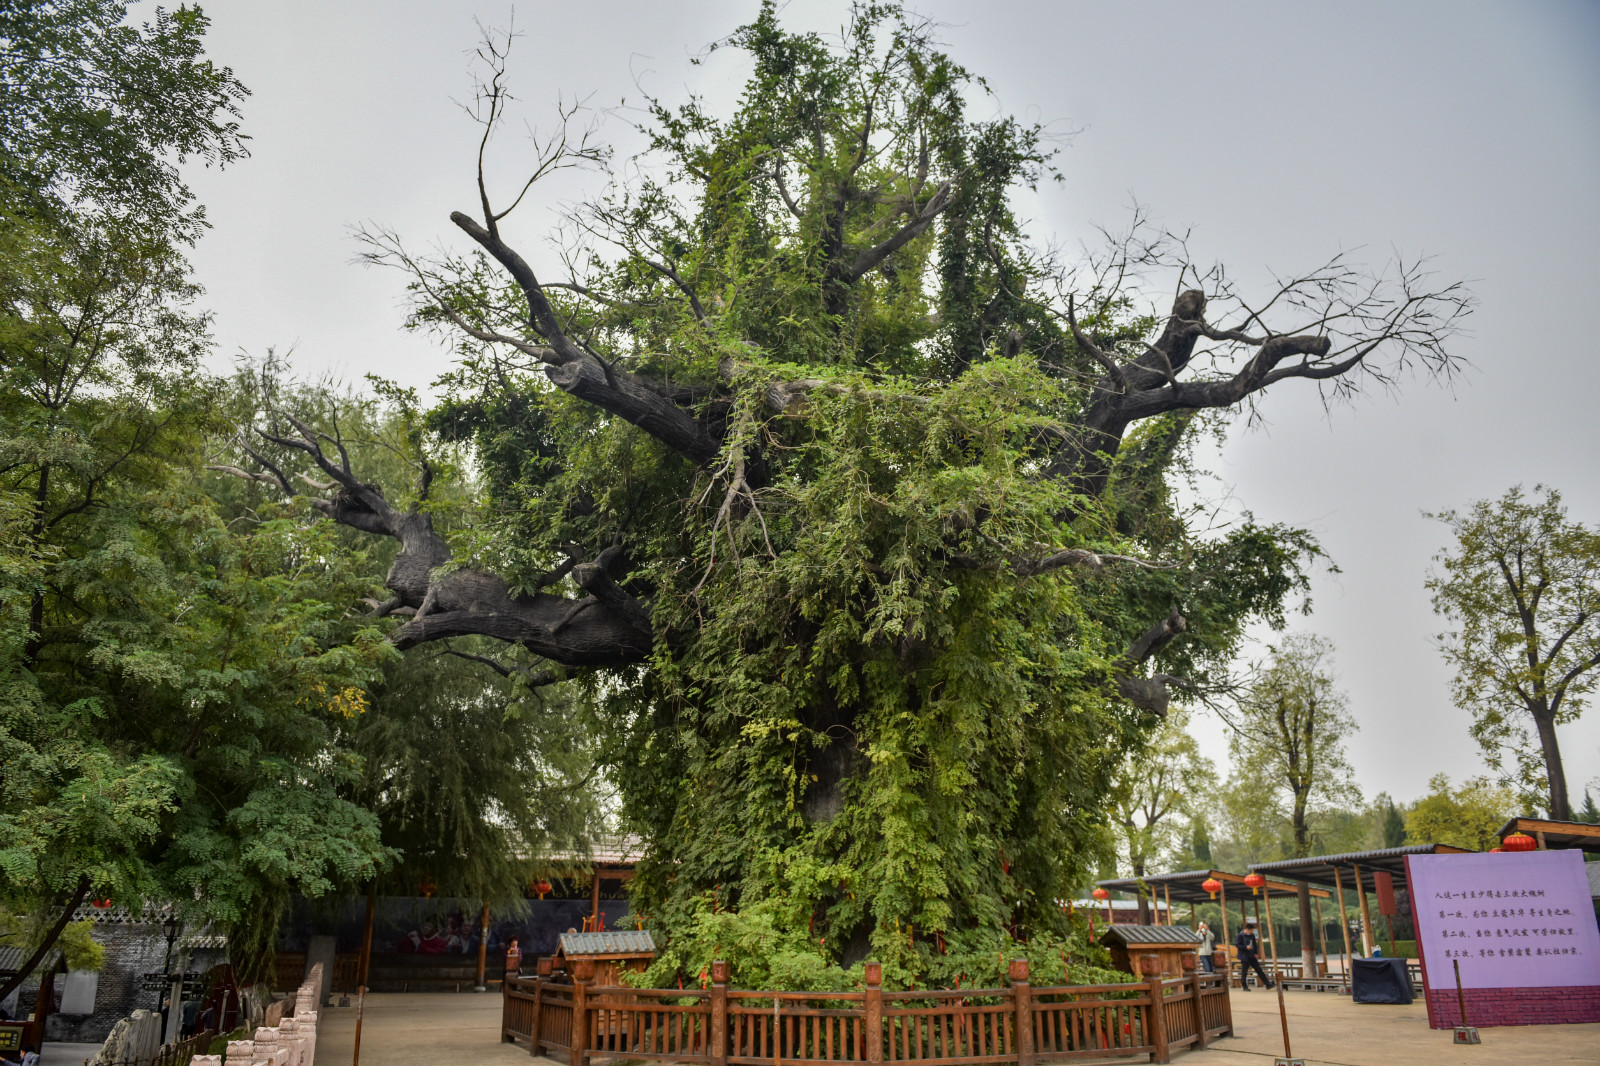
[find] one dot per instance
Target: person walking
(1208, 944)
(1249, 945)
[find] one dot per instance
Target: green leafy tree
(1393, 823)
(1522, 589)
(475, 773)
(1468, 817)
(1293, 724)
(1159, 785)
(860, 516)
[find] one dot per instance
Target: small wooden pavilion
(1167, 942)
(613, 954)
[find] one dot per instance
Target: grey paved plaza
(449, 1029)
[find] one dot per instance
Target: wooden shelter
(1379, 872)
(1169, 943)
(613, 954)
(1555, 836)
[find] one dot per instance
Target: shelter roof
(1150, 934)
(1184, 887)
(1557, 835)
(1320, 868)
(619, 942)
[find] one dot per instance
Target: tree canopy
(1521, 588)
(857, 513)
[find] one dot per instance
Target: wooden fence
(720, 1026)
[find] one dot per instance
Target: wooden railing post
(541, 974)
(1191, 973)
(1219, 960)
(719, 1014)
(1022, 1000)
(582, 974)
(874, 982)
(1150, 968)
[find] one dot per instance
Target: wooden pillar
(483, 949)
(1166, 891)
(1226, 938)
(594, 901)
(1366, 913)
(719, 1014)
(1344, 926)
(1194, 921)
(1322, 934)
(873, 978)
(361, 969)
(1150, 967)
(1539, 836)
(1272, 939)
(1022, 1000)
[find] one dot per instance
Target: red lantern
(1520, 842)
(1497, 851)
(100, 904)
(1211, 885)
(541, 886)
(1101, 894)
(1255, 881)
(427, 888)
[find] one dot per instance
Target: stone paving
(1326, 1029)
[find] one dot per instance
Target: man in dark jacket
(1249, 945)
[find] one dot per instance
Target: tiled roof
(1150, 934)
(621, 942)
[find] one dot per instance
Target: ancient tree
(854, 511)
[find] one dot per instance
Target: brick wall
(1514, 1006)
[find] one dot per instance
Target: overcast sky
(1279, 133)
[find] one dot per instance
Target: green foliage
(95, 110)
(1468, 817)
(860, 717)
(766, 948)
(1162, 781)
(1293, 724)
(1522, 591)
(475, 780)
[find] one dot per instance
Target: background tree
(1293, 723)
(1467, 817)
(1160, 787)
(475, 778)
(863, 510)
(1393, 825)
(98, 387)
(1522, 588)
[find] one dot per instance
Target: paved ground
(1326, 1029)
(419, 1029)
(67, 1054)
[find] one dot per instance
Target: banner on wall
(1521, 929)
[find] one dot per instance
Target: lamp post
(169, 1011)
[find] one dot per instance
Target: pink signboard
(1521, 927)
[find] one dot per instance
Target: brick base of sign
(1514, 1006)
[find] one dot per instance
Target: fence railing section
(720, 1026)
